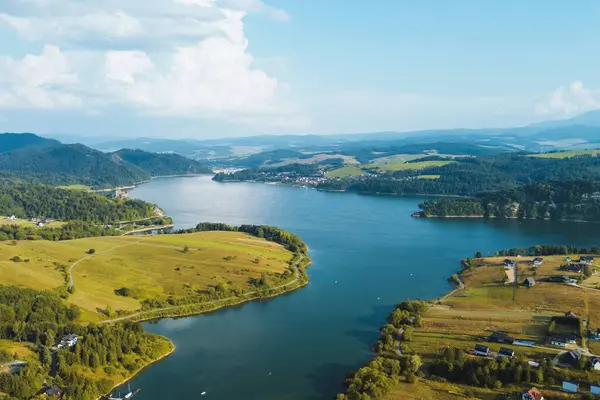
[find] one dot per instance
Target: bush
(91, 251)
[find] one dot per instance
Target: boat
(127, 396)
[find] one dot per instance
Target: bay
(368, 253)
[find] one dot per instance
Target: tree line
(577, 200)
(30, 200)
(41, 318)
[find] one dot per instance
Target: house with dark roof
(576, 268)
(500, 337)
(506, 352)
(482, 350)
(529, 282)
(586, 259)
(68, 341)
(532, 394)
(537, 262)
(509, 263)
(53, 392)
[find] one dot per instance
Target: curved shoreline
(296, 284)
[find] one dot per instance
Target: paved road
(126, 317)
(71, 282)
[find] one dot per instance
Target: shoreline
(300, 284)
(141, 369)
(417, 214)
(136, 184)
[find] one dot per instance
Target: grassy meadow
(568, 154)
(345, 172)
(26, 222)
(153, 267)
(419, 165)
(488, 304)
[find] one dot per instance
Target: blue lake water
(368, 254)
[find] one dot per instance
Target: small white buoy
(202, 394)
(335, 282)
(378, 298)
(269, 373)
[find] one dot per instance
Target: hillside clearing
(567, 154)
(153, 267)
(345, 172)
(406, 166)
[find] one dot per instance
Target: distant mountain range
(580, 132)
(33, 158)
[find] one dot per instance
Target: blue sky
(214, 68)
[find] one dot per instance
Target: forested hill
(58, 164)
(29, 200)
(468, 176)
(568, 200)
(157, 164)
(16, 141)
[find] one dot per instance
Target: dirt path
(510, 274)
(71, 282)
(126, 317)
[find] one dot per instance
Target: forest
(555, 200)
(472, 175)
(37, 160)
(70, 230)
(41, 318)
(29, 200)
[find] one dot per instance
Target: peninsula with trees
(73, 287)
(522, 320)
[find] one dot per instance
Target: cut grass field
(345, 172)
(568, 154)
(25, 222)
(419, 165)
(486, 305)
(154, 267)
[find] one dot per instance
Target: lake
(368, 253)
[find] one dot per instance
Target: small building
(68, 341)
(534, 364)
(537, 262)
(595, 363)
(532, 394)
(594, 335)
(576, 268)
(506, 352)
(500, 337)
(41, 224)
(573, 356)
(570, 387)
(568, 259)
(570, 314)
(53, 392)
(509, 263)
(558, 341)
(11, 218)
(529, 282)
(586, 259)
(482, 350)
(595, 390)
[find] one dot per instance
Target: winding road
(70, 272)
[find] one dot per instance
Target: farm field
(317, 158)
(490, 304)
(568, 154)
(403, 158)
(406, 166)
(344, 172)
(24, 222)
(150, 267)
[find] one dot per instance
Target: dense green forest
(41, 319)
(575, 200)
(70, 230)
(29, 200)
(468, 176)
(157, 164)
(43, 161)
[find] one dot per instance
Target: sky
(219, 68)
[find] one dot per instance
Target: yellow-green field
(344, 172)
(317, 158)
(568, 154)
(75, 187)
(153, 267)
(487, 304)
(403, 158)
(406, 166)
(25, 222)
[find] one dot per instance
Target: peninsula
(519, 320)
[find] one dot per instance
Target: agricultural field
(151, 267)
(76, 187)
(26, 222)
(404, 158)
(490, 303)
(345, 172)
(406, 166)
(568, 154)
(317, 158)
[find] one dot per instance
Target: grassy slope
(148, 264)
(568, 154)
(406, 166)
(20, 221)
(345, 172)
(485, 306)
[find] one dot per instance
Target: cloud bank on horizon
(167, 64)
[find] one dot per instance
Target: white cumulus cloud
(570, 100)
(167, 57)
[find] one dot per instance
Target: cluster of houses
(532, 394)
(576, 266)
(561, 279)
(52, 392)
(41, 221)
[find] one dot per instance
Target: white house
(595, 363)
(68, 341)
(11, 218)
